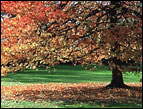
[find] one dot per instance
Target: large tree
(50, 32)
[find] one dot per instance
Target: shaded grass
(69, 94)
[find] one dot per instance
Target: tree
(49, 32)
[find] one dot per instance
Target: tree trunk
(117, 80)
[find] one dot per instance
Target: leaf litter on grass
(73, 92)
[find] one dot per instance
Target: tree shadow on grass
(87, 93)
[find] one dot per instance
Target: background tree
(50, 32)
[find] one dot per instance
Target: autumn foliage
(50, 32)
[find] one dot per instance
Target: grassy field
(64, 74)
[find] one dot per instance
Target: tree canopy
(50, 32)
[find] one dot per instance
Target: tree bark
(117, 80)
(117, 77)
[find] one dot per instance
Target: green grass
(60, 104)
(64, 74)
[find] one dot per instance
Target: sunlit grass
(65, 74)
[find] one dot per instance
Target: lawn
(69, 76)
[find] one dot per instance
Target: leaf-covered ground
(72, 92)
